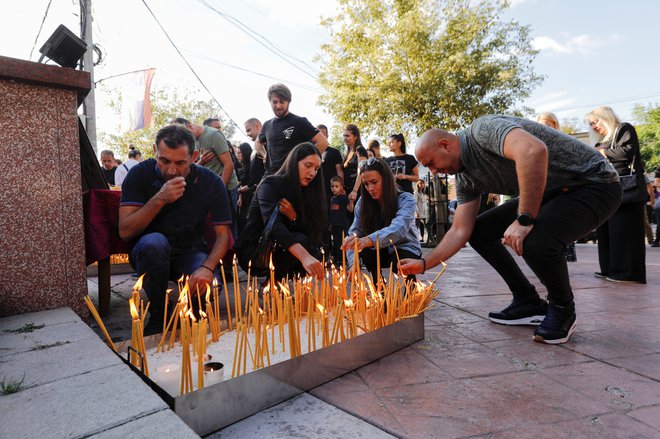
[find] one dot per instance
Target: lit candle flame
(134, 310)
(208, 293)
(138, 284)
(320, 307)
(182, 277)
(270, 263)
(348, 302)
(202, 314)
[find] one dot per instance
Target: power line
(613, 101)
(191, 68)
(274, 49)
(243, 69)
(43, 20)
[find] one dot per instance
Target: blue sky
(592, 52)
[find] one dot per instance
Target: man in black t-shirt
(286, 130)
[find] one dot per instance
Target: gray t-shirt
(485, 169)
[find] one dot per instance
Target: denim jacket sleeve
(398, 229)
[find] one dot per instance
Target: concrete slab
(78, 406)
(59, 362)
(44, 337)
(49, 317)
(163, 424)
(302, 416)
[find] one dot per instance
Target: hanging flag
(136, 101)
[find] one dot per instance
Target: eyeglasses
(371, 161)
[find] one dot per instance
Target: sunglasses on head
(371, 161)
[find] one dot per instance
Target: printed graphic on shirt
(398, 166)
(288, 132)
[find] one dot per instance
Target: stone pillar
(42, 247)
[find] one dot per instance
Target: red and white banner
(136, 101)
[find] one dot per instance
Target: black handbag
(266, 246)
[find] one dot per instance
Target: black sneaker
(600, 275)
(521, 313)
(558, 325)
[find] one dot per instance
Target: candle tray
(221, 404)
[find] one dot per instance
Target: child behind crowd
(340, 206)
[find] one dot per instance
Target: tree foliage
(410, 65)
(166, 104)
(648, 132)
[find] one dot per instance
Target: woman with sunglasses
(385, 215)
(355, 154)
(297, 190)
(621, 252)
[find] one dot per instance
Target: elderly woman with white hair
(621, 250)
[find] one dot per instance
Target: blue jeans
(564, 217)
(152, 255)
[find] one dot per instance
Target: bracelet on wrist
(208, 268)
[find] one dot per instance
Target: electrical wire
(243, 69)
(43, 20)
(274, 49)
(192, 69)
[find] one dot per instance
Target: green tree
(410, 65)
(166, 104)
(572, 125)
(648, 131)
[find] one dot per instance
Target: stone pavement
(472, 378)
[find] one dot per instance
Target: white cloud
(581, 44)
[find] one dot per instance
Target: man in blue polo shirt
(164, 206)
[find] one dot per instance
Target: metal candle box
(219, 405)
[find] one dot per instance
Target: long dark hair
(401, 140)
(353, 129)
(246, 152)
(309, 202)
(372, 216)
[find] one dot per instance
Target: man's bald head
(439, 151)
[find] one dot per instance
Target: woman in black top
(297, 189)
(355, 153)
(403, 166)
(621, 252)
(243, 153)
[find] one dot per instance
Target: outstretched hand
(409, 267)
(362, 243)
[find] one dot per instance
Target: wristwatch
(525, 219)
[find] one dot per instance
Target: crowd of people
(199, 198)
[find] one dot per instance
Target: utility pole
(89, 105)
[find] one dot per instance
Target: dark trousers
(563, 218)
(368, 256)
(152, 256)
(338, 233)
(621, 249)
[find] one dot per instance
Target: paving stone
(78, 406)
(49, 318)
(163, 424)
(46, 365)
(302, 416)
(42, 338)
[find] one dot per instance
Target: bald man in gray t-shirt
(564, 190)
